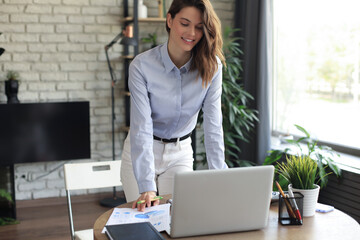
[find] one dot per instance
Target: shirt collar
(168, 63)
(188, 64)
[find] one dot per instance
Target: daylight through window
(316, 69)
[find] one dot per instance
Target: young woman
(169, 84)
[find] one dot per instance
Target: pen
(293, 203)
(154, 199)
(286, 201)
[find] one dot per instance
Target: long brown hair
(210, 45)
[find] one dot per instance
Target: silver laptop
(221, 201)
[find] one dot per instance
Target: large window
(316, 69)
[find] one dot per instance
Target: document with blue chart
(158, 216)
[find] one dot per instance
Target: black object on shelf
(11, 91)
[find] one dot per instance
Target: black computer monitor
(42, 132)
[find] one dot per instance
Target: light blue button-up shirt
(165, 102)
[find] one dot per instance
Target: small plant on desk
(302, 174)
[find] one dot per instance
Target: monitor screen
(41, 132)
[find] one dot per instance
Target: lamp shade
(128, 41)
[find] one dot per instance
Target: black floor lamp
(127, 40)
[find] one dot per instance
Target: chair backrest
(92, 175)
(89, 175)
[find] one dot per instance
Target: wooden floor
(47, 219)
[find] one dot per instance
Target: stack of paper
(158, 216)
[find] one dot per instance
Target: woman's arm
(141, 130)
(214, 139)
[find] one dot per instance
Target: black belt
(172, 139)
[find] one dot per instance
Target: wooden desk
(327, 226)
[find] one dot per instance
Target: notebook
(133, 231)
(221, 201)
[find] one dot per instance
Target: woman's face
(186, 28)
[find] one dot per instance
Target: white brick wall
(57, 46)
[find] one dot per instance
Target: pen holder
(286, 217)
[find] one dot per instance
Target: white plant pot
(310, 199)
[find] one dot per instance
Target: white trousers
(169, 159)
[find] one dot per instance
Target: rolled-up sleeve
(214, 139)
(141, 130)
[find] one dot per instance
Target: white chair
(87, 176)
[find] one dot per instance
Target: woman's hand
(146, 196)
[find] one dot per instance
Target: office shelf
(124, 129)
(128, 55)
(125, 93)
(145, 20)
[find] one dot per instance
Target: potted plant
(5, 198)
(301, 172)
(12, 86)
(306, 145)
(152, 38)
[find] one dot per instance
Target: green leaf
(274, 156)
(302, 130)
(6, 195)
(7, 221)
